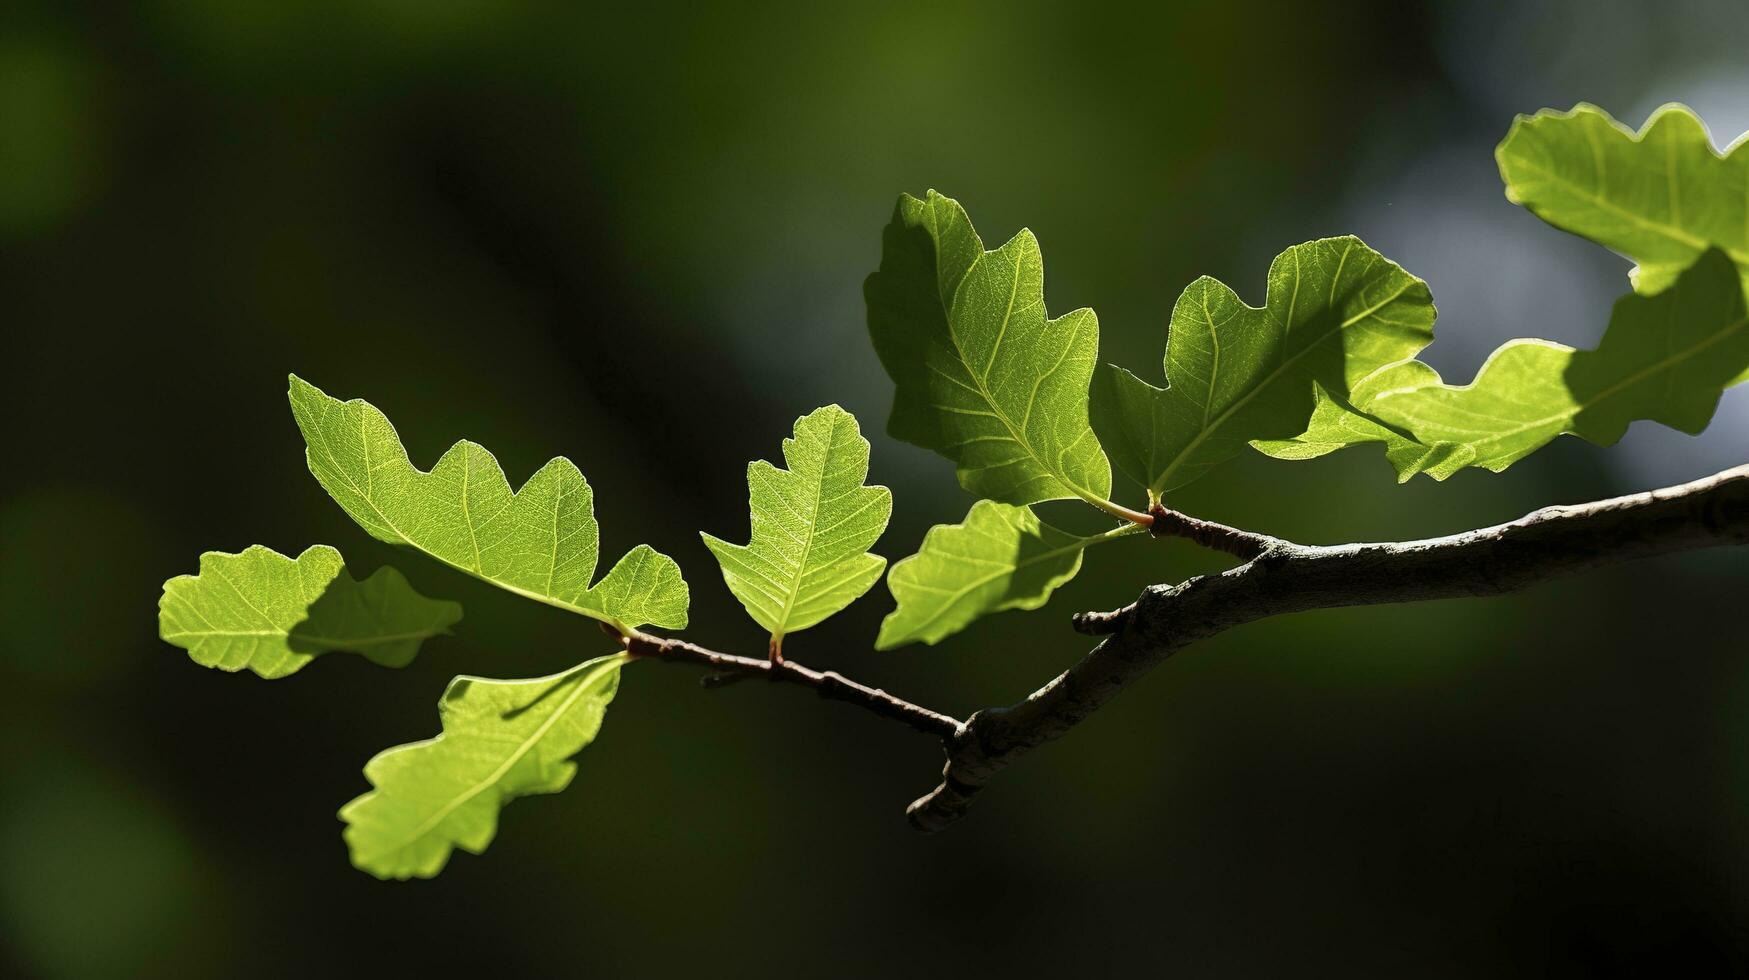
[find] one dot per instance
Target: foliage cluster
(1019, 402)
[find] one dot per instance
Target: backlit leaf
(1339, 423)
(1334, 311)
(982, 375)
(500, 740)
(812, 526)
(1665, 357)
(1000, 557)
(539, 542)
(1659, 197)
(262, 611)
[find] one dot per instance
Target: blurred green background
(635, 235)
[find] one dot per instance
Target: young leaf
(539, 542)
(982, 376)
(1000, 557)
(812, 527)
(500, 740)
(1665, 357)
(262, 611)
(1335, 310)
(1659, 197)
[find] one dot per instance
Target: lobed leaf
(812, 526)
(1665, 357)
(265, 612)
(500, 740)
(1340, 423)
(1000, 557)
(982, 375)
(1334, 311)
(540, 541)
(1661, 196)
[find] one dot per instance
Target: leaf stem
(1119, 511)
(1121, 531)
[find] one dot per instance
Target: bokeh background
(635, 235)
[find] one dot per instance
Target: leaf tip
(885, 640)
(298, 386)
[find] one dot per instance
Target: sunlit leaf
(1334, 311)
(1661, 196)
(1665, 357)
(1339, 423)
(812, 526)
(262, 611)
(539, 542)
(500, 740)
(1000, 557)
(983, 376)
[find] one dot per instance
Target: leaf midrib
(996, 410)
(808, 541)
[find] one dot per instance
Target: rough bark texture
(1284, 577)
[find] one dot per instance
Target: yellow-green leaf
(1665, 357)
(1661, 196)
(812, 526)
(500, 740)
(539, 542)
(262, 611)
(1000, 557)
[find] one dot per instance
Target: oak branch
(1276, 577)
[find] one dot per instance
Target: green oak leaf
(500, 740)
(982, 375)
(1660, 197)
(1665, 357)
(812, 526)
(1335, 310)
(1000, 557)
(1338, 423)
(262, 611)
(539, 542)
